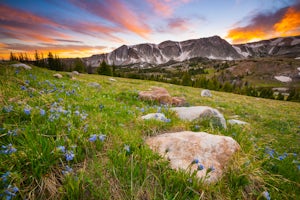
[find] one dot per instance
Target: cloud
(165, 8)
(116, 12)
(70, 41)
(179, 24)
(283, 22)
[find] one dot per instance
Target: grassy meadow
(66, 139)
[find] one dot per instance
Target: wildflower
(42, 112)
(11, 191)
(69, 155)
(270, 152)
(93, 138)
(266, 195)
(27, 111)
(12, 132)
(4, 176)
(158, 110)
(200, 167)
(17, 72)
(76, 112)
(195, 161)
(27, 81)
(67, 170)
(197, 127)
(101, 106)
(8, 108)
(61, 148)
(23, 87)
(9, 149)
(211, 169)
(127, 148)
(142, 109)
(280, 157)
(102, 137)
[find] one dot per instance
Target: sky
(81, 28)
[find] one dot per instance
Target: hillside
(83, 138)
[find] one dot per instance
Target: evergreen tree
(104, 69)
(186, 79)
(79, 65)
(51, 64)
(13, 57)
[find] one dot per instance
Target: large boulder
(196, 151)
(200, 112)
(27, 67)
(162, 96)
(206, 93)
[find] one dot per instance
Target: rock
(112, 80)
(200, 112)
(206, 93)
(178, 101)
(161, 95)
(284, 79)
(94, 84)
(236, 121)
(76, 73)
(156, 94)
(27, 67)
(206, 150)
(156, 116)
(59, 76)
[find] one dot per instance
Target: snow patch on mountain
(295, 42)
(244, 54)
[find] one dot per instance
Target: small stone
(206, 93)
(59, 76)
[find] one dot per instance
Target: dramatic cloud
(179, 24)
(283, 22)
(165, 7)
(116, 12)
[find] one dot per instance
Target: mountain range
(211, 47)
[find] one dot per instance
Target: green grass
(75, 111)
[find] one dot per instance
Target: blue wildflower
(27, 81)
(195, 161)
(270, 152)
(69, 155)
(93, 138)
(101, 106)
(23, 87)
(4, 176)
(200, 167)
(42, 112)
(142, 109)
(67, 170)
(102, 137)
(17, 71)
(197, 127)
(12, 132)
(76, 112)
(266, 195)
(127, 148)
(281, 157)
(27, 111)
(61, 148)
(11, 192)
(211, 169)
(9, 149)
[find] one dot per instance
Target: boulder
(27, 67)
(206, 93)
(156, 116)
(200, 112)
(59, 76)
(178, 101)
(236, 121)
(94, 84)
(161, 95)
(76, 73)
(195, 151)
(112, 80)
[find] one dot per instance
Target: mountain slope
(211, 47)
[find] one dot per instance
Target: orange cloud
(165, 7)
(116, 12)
(290, 24)
(283, 22)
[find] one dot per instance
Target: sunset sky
(81, 28)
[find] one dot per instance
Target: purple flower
(9, 149)
(42, 112)
(69, 155)
(266, 195)
(101, 107)
(67, 170)
(11, 191)
(93, 138)
(76, 112)
(195, 161)
(27, 111)
(200, 167)
(102, 137)
(61, 148)
(23, 87)
(4, 176)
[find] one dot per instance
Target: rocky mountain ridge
(210, 47)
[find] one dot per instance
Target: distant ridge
(211, 47)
